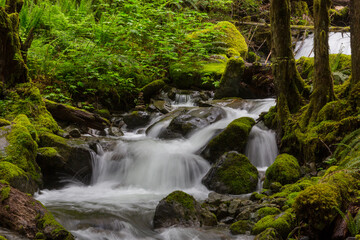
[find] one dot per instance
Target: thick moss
(26, 99)
(52, 229)
(12, 174)
(4, 193)
(187, 75)
(184, 199)
(2, 238)
(4, 122)
(48, 152)
(268, 234)
(230, 82)
(283, 223)
(241, 227)
(299, 9)
(233, 138)
(233, 173)
(152, 88)
(224, 32)
(316, 204)
(23, 120)
(266, 211)
(22, 148)
(285, 170)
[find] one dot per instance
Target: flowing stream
(338, 43)
(128, 182)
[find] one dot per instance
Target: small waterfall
(128, 182)
(261, 148)
(183, 100)
(338, 43)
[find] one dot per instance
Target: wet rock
(152, 88)
(161, 106)
(181, 209)
(75, 160)
(187, 121)
(21, 213)
(115, 131)
(233, 138)
(75, 133)
(71, 115)
(136, 119)
(224, 176)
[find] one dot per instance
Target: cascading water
(338, 43)
(128, 182)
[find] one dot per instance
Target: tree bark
(12, 67)
(287, 79)
(355, 41)
(323, 82)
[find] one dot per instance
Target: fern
(353, 223)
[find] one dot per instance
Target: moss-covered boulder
(4, 122)
(136, 119)
(283, 223)
(266, 211)
(181, 209)
(317, 204)
(241, 227)
(59, 157)
(152, 88)
(284, 170)
(225, 36)
(233, 174)
(233, 138)
(26, 99)
(23, 214)
(268, 234)
(230, 83)
(18, 153)
(187, 75)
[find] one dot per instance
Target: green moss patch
(184, 199)
(285, 170)
(241, 227)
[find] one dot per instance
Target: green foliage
(86, 48)
(353, 223)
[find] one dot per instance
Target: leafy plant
(353, 223)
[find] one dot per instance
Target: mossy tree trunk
(323, 82)
(355, 40)
(287, 79)
(12, 67)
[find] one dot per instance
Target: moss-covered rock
(26, 99)
(187, 75)
(268, 234)
(266, 211)
(233, 138)
(181, 209)
(233, 174)
(284, 170)
(283, 223)
(20, 212)
(17, 177)
(241, 227)
(317, 204)
(19, 148)
(152, 88)
(225, 33)
(230, 83)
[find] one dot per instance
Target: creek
(129, 181)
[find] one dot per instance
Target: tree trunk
(12, 67)
(287, 79)
(323, 82)
(355, 41)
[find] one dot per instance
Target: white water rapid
(338, 43)
(128, 182)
